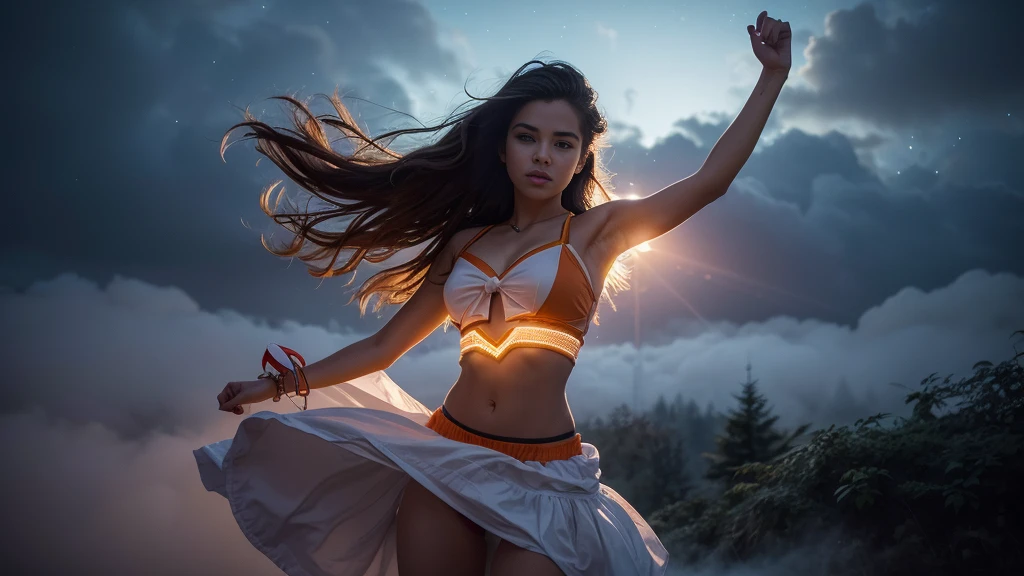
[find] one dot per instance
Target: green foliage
(935, 493)
(750, 436)
(861, 483)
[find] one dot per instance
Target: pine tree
(750, 435)
(661, 414)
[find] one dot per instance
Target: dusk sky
(874, 237)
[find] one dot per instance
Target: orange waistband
(543, 453)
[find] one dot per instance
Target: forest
(934, 492)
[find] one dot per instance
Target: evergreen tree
(691, 427)
(750, 435)
(661, 414)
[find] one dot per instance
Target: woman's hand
(775, 53)
(249, 392)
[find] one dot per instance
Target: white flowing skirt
(317, 491)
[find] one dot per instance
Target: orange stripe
(479, 263)
(565, 229)
(475, 238)
(583, 272)
(543, 453)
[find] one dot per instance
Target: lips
(537, 174)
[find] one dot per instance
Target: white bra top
(549, 284)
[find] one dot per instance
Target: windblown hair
(377, 202)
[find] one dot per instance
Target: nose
(542, 155)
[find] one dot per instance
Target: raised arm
(633, 222)
(627, 223)
(414, 321)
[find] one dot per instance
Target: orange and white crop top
(548, 285)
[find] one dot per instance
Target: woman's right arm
(414, 321)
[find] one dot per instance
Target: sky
(867, 243)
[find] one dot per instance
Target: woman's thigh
(511, 560)
(434, 539)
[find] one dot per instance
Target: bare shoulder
(462, 237)
(445, 260)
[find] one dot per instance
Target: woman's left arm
(633, 222)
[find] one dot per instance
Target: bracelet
(276, 356)
(301, 384)
(278, 380)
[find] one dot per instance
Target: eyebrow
(528, 127)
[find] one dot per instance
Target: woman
(509, 202)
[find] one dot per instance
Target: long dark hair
(376, 201)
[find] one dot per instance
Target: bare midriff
(522, 395)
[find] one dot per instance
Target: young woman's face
(543, 137)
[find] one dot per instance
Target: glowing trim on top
(522, 336)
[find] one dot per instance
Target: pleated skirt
(317, 491)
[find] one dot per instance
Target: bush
(934, 493)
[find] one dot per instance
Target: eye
(568, 146)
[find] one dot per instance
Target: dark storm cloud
(932, 61)
(121, 109)
(808, 230)
(135, 97)
(826, 226)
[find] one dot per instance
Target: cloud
(141, 359)
(144, 194)
(809, 230)
(134, 98)
(803, 366)
(112, 387)
(80, 499)
(934, 61)
(608, 33)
